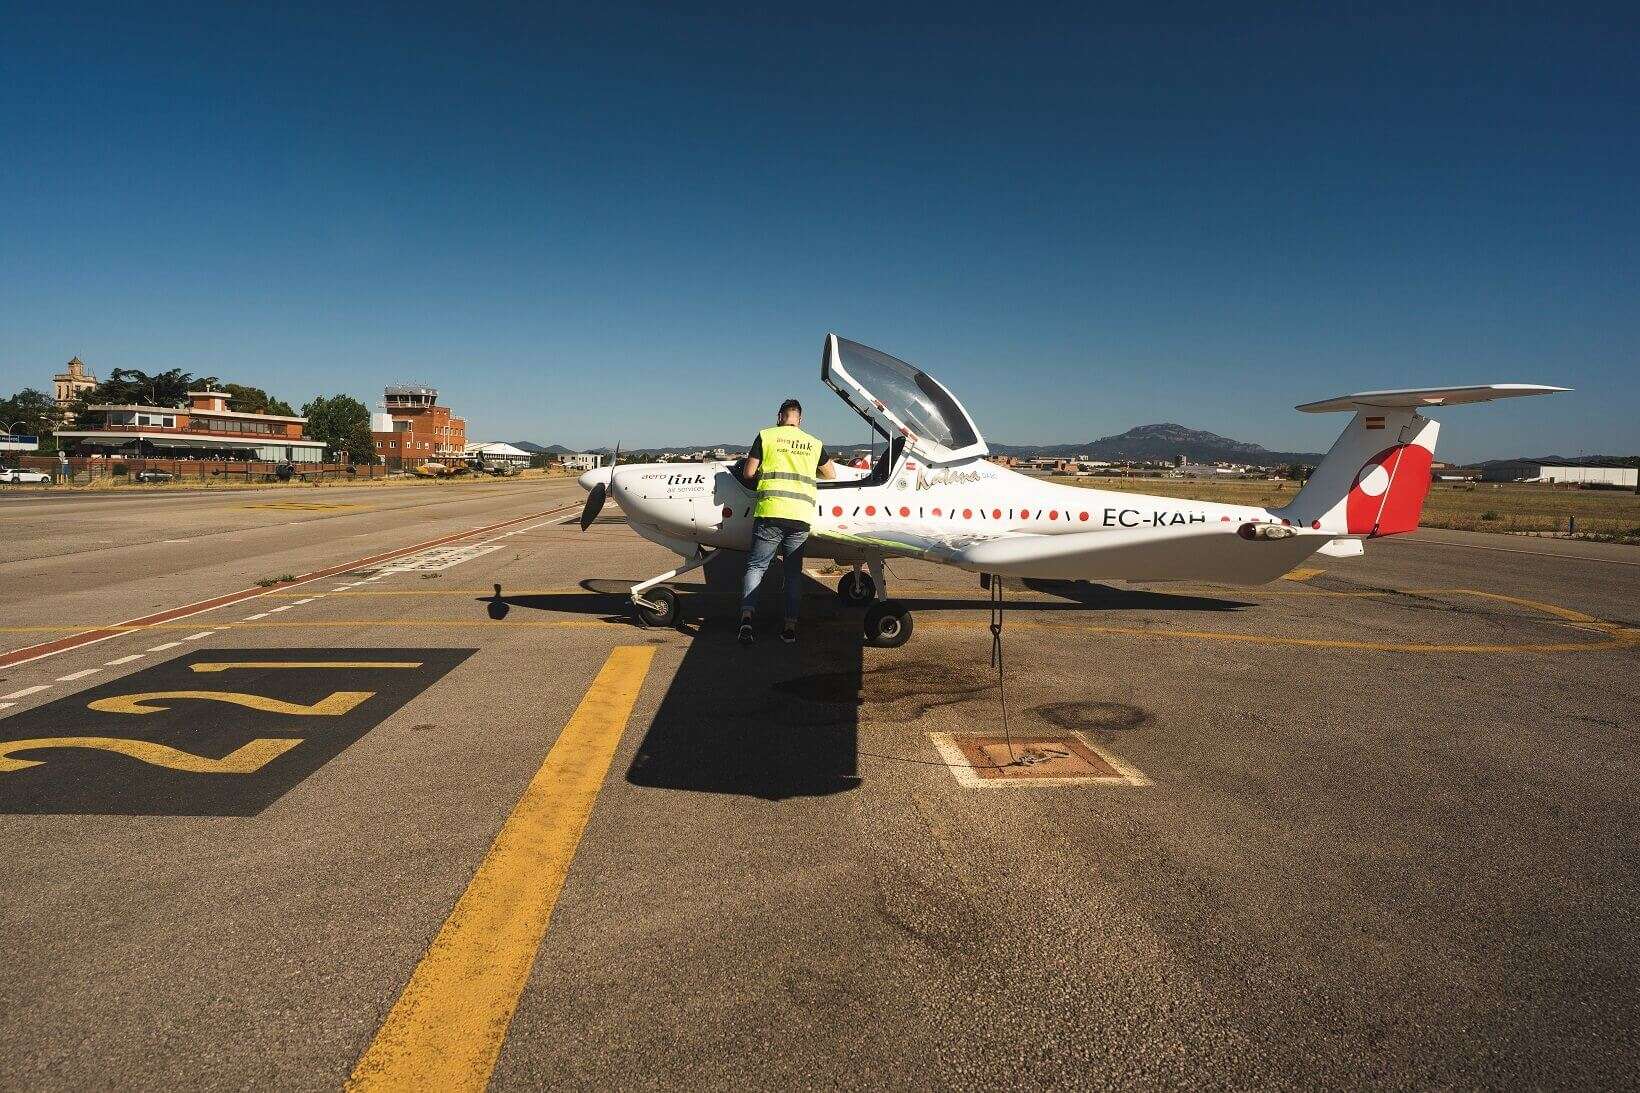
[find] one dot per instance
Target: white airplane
(934, 496)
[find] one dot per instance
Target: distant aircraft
(933, 496)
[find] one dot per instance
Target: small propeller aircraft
(933, 495)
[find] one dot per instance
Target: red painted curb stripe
(90, 637)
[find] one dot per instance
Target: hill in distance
(1165, 441)
(1145, 442)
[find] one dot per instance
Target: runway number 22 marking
(334, 705)
(245, 759)
(160, 741)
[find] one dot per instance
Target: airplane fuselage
(685, 505)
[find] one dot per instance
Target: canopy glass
(898, 398)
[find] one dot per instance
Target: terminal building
(412, 428)
(205, 429)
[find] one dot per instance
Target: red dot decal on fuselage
(871, 510)
(1084, 517)
(967, 514)
(837, 510)
(936, 512)
(1054, 515)
(1024, 514)
(904, 511)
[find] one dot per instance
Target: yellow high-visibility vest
(785, 478)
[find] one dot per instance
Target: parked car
(23, 474)
(155, 476)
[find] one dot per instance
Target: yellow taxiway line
(445, 1031)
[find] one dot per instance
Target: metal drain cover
(989, 760)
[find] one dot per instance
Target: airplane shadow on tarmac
(776, 721)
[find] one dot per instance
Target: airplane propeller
(597, 495)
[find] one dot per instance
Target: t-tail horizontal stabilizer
(1374, 479)
(1416, 397)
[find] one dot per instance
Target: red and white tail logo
(1389, 491)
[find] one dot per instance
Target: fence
(93, 468)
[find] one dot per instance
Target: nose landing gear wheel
(888, 625)
(663, 598)
(856, 589)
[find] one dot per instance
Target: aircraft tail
(1374, 479)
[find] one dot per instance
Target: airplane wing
(926, 542)
(1198, 552)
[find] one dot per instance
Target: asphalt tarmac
(437, 811)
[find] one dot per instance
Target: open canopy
(898, 399)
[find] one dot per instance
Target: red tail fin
(1389, 491)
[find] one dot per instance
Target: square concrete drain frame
(980, 760)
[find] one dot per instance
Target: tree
(131, 386)
(253, 400)
(33, 412)
(342, 422)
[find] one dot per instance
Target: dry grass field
(1481, 506)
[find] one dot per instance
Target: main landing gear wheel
(856, 589)
(663, 598)
(888, 625)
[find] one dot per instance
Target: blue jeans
(767, 538)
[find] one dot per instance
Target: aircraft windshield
(912, 396)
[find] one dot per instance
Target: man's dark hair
(790, 404)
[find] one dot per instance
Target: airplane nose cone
(598, 476)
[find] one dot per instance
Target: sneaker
(745, 633)
(788, 633)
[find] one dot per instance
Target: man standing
(784, 462)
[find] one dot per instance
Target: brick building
(415, 429)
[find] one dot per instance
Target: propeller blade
(595, 505)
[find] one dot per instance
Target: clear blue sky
(636, 223)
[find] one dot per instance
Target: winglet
(1416, 397)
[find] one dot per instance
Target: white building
(581, 461)
(496, 451)
(1525, 470)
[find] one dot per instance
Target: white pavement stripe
(286, 607)
(162, 648)
(201, 634)
(81, 674)
(299, 603)
(258, 615)
(122, 660)
(3, 705)
(26, 691)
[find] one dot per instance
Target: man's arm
(754, 460)
(827, 468)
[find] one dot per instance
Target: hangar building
(1528, 470)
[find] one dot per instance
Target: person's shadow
(743, 720)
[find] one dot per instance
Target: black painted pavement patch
(216, 732)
